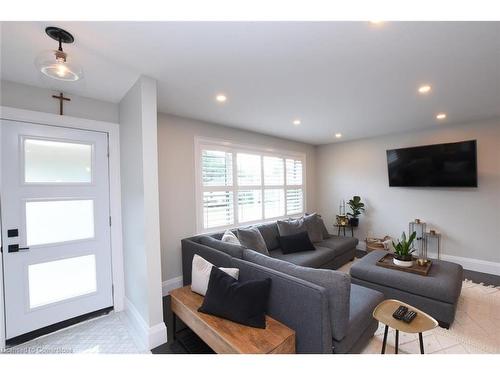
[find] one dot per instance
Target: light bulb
(55, 64)
(61, 70)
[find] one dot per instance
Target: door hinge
(110, 221)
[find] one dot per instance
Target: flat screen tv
(440, 165)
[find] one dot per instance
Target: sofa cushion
(314, 259)
(323, 228)
(337, 285)
(443, 282)
(252, 239)
(295, 243)
(235, 251)
(314, 227)
(270, 234)
(339, 244)
(291, 226)
(361, 305)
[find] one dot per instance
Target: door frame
(113, 131)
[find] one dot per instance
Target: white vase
(402, 263)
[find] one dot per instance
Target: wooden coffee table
(422, 322)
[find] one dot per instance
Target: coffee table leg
(385, 339)
(174, 326)
(397, 342)
(421, 339)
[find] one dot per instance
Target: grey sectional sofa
(327, 312)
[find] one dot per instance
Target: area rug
(476, 328)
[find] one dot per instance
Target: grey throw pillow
(291, 226)
(252, 238)
(314, 227)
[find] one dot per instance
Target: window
(240, 185)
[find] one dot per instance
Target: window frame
(202, 143)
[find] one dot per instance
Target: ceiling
(355, 78)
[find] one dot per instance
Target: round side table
(421, 323)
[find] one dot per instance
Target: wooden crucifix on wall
(61, 101)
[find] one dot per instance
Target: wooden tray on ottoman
(386, 261)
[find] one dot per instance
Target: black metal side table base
(396, 349)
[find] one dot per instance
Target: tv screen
(441, 165)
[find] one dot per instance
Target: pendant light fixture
(54, 63)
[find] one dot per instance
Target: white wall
(22, 96)
(177, 178)
(140, 213)
(469, 218)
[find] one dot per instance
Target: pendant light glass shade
(55, 64)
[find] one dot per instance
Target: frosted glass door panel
(49, 222)
(58, 280)
(53, 162)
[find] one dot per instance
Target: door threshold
(21, 339)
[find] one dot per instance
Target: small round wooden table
(421, 323)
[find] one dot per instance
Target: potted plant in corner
(403, 250)
(357, 208)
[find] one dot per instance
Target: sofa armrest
(299, 304)
(190, 247)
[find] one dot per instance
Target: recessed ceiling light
(441, 116)
(221, 98)
(376, 22)
(296, 122)
(424, 89)
(338, 135)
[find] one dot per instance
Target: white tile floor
(109, 334)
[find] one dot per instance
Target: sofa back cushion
(314, 225)
(337, 284)
(291, 226)
(236, 251)
(270, 234)
(310, 223)
(252, 239)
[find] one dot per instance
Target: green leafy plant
(404, 248)
(356, 206)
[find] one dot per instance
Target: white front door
(55, 224)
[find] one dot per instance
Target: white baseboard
(471, 264)
(150, 337)
(171, 284)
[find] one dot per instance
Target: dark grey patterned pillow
(251, 238)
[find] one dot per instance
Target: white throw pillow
(200, 274)
(230, 237)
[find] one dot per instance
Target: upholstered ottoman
(436, 294)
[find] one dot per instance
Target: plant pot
(403, 262)
(354, 221)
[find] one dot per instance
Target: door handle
(15, 248)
